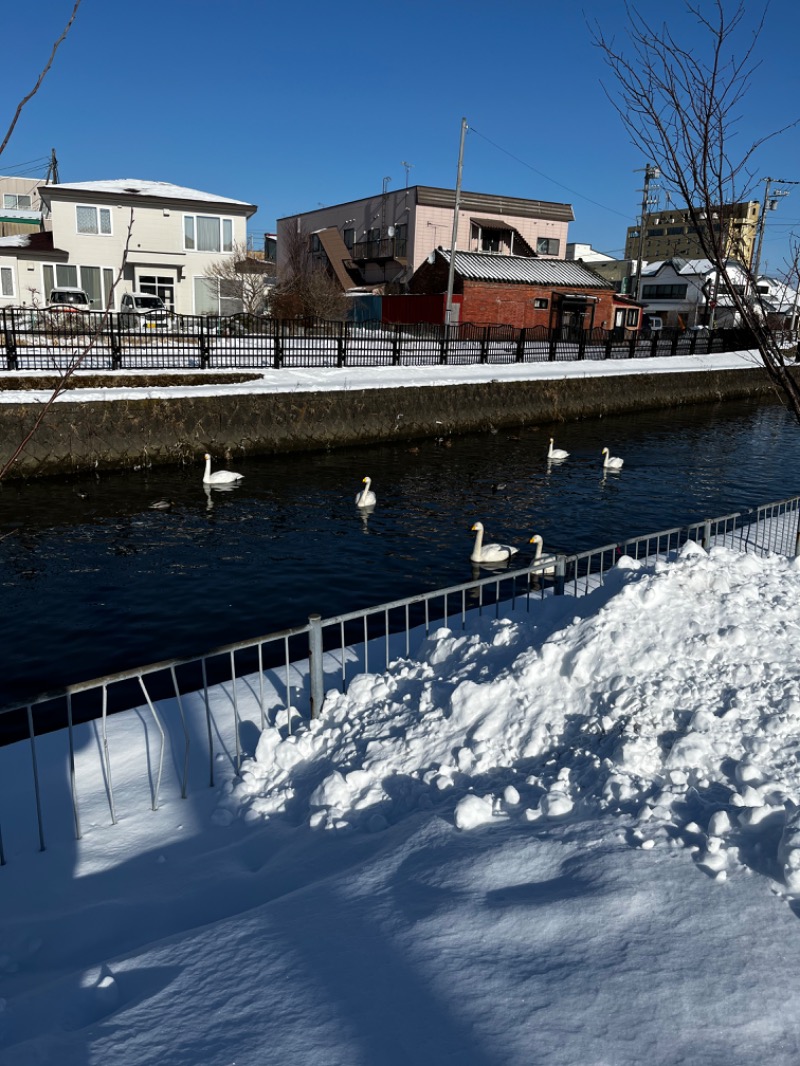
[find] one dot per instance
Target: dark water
(93, 581)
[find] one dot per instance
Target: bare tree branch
(42, 76)
(681, 107)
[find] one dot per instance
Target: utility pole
(448, 314)
(52, 170)
(651, 173)
(772, 198)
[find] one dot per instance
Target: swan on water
(489, 553)
(219, 477)
(611, 462)
(556, 453)
(366, 498)
(537, 555)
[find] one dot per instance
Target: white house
(171, 234)
(685, 293)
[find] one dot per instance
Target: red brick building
(525, 292)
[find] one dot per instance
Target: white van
(143, 311)
(68, 298)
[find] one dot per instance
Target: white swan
(489, 553)
(366, 498)
(537, 555)
(556, 453)
(219, 477)
(611, 462)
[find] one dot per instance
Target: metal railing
(204, 701)
(40, 340)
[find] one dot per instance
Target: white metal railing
(199, 701)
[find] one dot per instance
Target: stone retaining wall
(130, 433)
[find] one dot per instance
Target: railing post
(277, 343)
(205, 349)
(340, 345)
(609, 346)
(11, 340)
(485, 345)
(560, 576)
(444, 341)
(396, 345)
(797, 537)
(551, 356)
(114, 343)
(521, 345)
(582, 344)
(707, 534)
(315, 672)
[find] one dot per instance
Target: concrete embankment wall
(127, 433)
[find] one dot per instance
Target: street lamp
(651, 173)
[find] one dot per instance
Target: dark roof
(482, 266)
(20, 243)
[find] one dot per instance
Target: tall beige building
(670, 233)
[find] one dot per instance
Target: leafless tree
(242, 278)
(305, 289)
(681, 102)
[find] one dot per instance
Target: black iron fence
(43, 340)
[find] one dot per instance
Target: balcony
(380, 250)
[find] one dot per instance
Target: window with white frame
(93, 219)
(216, 296)
(16, 201)
(6, 281)
(547, 246)
(96, 282)
(207, 233)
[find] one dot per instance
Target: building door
(159, 286)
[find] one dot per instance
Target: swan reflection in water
(209, 490)
(363, 514)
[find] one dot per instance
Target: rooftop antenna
(408, 167)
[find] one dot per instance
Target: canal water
(93, 579)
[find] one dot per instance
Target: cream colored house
(147, 236)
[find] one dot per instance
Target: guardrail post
(315, 672)
(797, 538)
(707, 534)
(560, 576)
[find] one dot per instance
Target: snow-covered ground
(314, 379)
(561, 837)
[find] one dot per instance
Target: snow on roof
(16, 240)
(161, 190)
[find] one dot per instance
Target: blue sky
(294, 105)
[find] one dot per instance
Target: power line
(41, 161)
(547, 177)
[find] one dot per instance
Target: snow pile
(673, 702)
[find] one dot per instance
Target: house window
(206, 233)
(349, 238)
(541, 303)
(16, 202)
(547, 246)
(6, 281)
(633, 317)
(675, 231)
(655, 233)
(96, 282)
(93, 219)
(664, 292)
(316, 247)
(213, 296)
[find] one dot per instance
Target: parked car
(68, 299)
(143, 311)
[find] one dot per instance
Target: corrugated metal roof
(480, 266)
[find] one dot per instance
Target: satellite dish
(390, 231)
